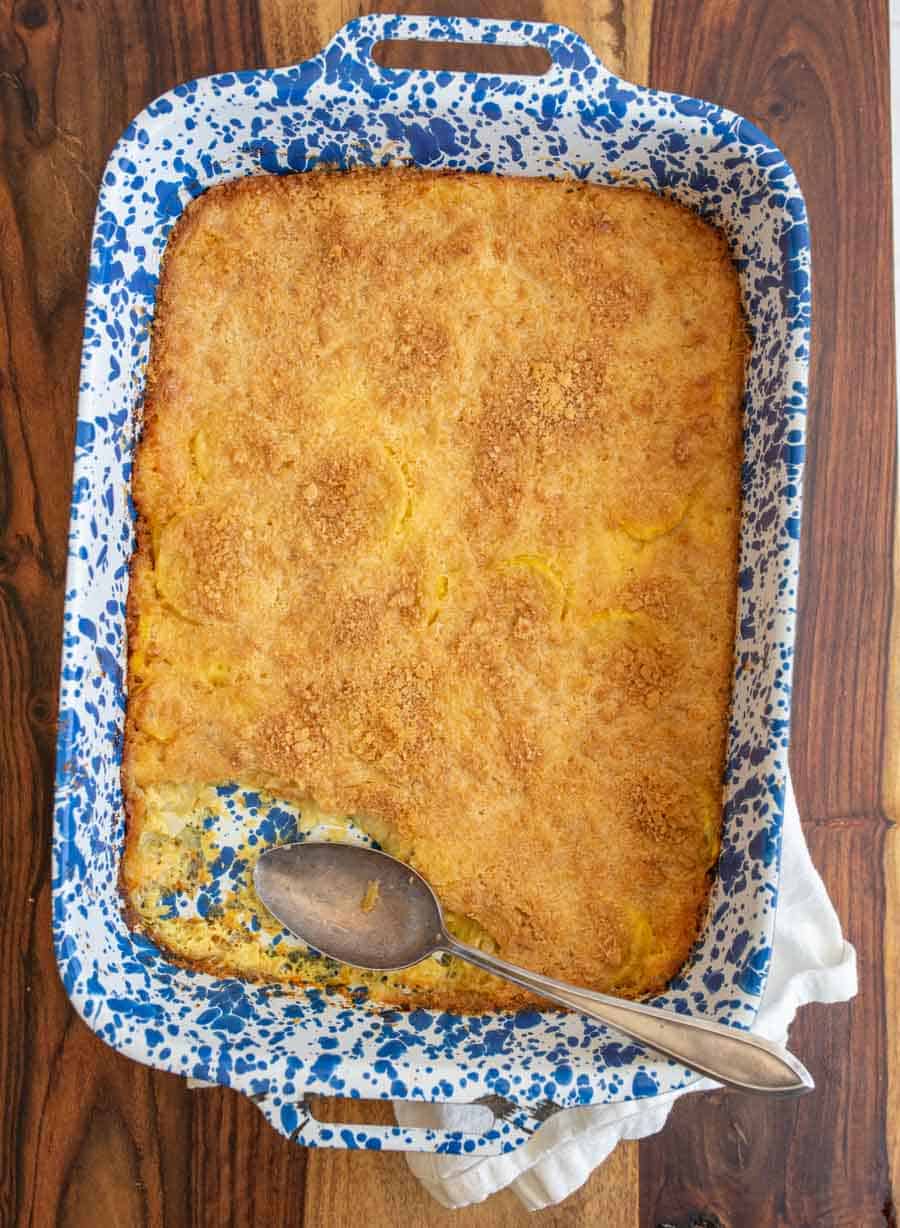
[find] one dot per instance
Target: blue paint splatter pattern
(341, 108)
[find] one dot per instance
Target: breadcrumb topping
(438, 500)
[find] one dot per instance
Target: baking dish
(341, 107)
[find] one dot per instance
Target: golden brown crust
(438, 502)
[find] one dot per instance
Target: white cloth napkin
(811, 962)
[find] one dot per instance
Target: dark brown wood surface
(88, 1137)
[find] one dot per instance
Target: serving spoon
(369, 910)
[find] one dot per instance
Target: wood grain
(88, 1136)
(891, 805)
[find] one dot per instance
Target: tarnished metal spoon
(369, 910)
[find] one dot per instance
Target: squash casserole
(438, 500)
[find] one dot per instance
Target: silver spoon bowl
(369, 910)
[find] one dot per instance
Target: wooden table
(89, 1137)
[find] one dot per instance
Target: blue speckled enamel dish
(281, 1046)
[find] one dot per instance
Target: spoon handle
(728, 1055)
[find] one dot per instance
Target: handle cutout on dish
(443, 55)
(340, 1126)
(355, 1111)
